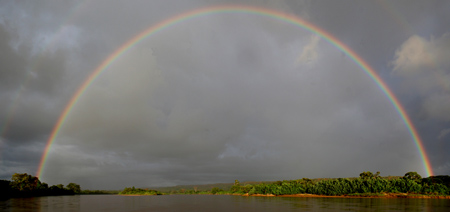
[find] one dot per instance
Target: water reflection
(370, 204)
(54, 203)
(217, 203)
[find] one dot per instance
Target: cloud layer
(219, 97)
(425, 68)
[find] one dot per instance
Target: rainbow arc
(232, 9)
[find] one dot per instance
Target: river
(217, 203)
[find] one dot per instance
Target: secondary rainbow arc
(288, 18)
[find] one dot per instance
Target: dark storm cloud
(13, 65)
(423, 66)
(197, 110)
(35, 78)
(219, 98)
(29, 86)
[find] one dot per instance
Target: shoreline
(383, 196)
(386, 196)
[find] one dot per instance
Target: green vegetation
(368, 184)
(139, 191)
(74, 187)
(216, 190)
(25, 185)
(99, 192)
(195, 188)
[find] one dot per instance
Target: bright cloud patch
(310, 51)
(424, 66)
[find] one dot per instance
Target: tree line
(367, 184)
(25, 185)
(139, 191)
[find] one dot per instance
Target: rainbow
(277, 15)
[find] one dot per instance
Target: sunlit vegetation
(216, 190)
(25, 185)
(366, 185)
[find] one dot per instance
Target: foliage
(98, 192)
(74, 187)
(366, 184)
(216, 190)
(440, 179)
(139, 191)
(236, 187)
(25, 185)
(24, 182)
(369, 175)
(413, 176)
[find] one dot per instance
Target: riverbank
(382, 195)
(368, 185)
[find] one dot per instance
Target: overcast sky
(223, 96)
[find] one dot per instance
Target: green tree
(74, 187)
(366, 175)
(413, 176)
(60, 186)
(42, 186)
(236, 187)
(24, 182)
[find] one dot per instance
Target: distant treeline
(99, 192)
(25, 185)
(139, 191)
(366, 184)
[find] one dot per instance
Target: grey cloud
(19, 158)
(187, 108)
(443, 133)
(216, 98)
(309, 52)
(13, 68)
(424, 66)
(30, 85)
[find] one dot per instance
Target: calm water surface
(217, 203)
